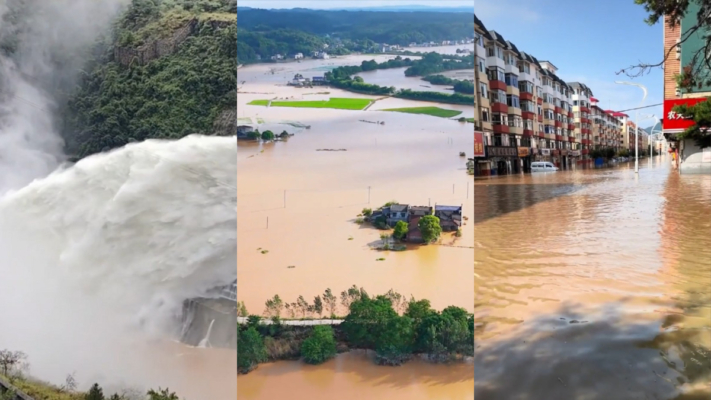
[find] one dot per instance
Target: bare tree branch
(634, 71)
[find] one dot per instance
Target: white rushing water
(101, 254)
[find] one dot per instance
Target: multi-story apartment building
(527, 112)
(692, 159)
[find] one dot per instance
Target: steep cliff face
(168, 71)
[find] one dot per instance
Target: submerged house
(450, 217)
(414, 235)
(243, 131)
(395, 213)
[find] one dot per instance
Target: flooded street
(599, 278)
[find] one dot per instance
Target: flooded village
(301, 222)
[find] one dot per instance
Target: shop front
(482, 166)
(691, 159)
(524, 154)
(504, 160)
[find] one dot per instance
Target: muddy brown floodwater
(593, 284)
(296, 211)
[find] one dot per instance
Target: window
(515, 121)
(499, 52)
(485, 116)
(539, 91)
(478, 39)
(497, 140)
(490, 52)
(575, 102)
(499, 119)
(481, 63)
(540, 127)
(540, 110)
(527, 106)
(513, 101)
(548, 129)
(511, 80)
(527, 124)
(525, 86)
(526, 141)
(484, 89)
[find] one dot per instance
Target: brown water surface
(593, 284)
(352, 376)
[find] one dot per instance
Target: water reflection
(600, 278)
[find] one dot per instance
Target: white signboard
(706, 157)
(545, 152)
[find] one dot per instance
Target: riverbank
(395, 328)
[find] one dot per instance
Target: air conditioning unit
(678, 49)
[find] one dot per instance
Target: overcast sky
(348, 3)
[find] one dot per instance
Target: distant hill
(402, 8)
(656, 128)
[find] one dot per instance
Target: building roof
(414, 209)
(399, 207)
(448, 208)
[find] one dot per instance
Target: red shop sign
(673, 120)
(479, 144)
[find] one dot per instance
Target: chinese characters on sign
(674, 121)
(479, 144)
(673, 115)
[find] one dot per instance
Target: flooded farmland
(296, 222)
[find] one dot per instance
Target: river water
(599, 278)
(298, 205)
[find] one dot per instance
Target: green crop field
(433, 111)
(334, 102)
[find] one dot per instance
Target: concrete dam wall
(210, 323)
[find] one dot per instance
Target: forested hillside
(267, 32)
(168, 70)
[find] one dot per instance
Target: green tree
(267, 135)
(330, 299)
(320, 346)
(318, 306)
(394, 345)
(430, 228)
(274, 306)
(419, 309)
(95, 393)
(367, 320)
(400, 230)
(700, 113)
(162, 394)
(250, 350)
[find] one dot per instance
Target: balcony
(541, 135)
(498, 128)
(585, 151)
(539, 100)
(571, 127)
(570, 114)
(500, 108)
(540, 118)
(559, 138)
(528, 132)
(525, 96)
(585, 109)
(558, 110)
(497, 85)
(528, 115)
(558, 124)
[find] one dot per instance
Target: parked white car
(543, 166)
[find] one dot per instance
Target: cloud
(491, 10)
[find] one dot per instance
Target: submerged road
(593, 284)
(305, 322)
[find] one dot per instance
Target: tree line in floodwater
(392, 326)
(431, 63)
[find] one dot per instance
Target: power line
(639, 108)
